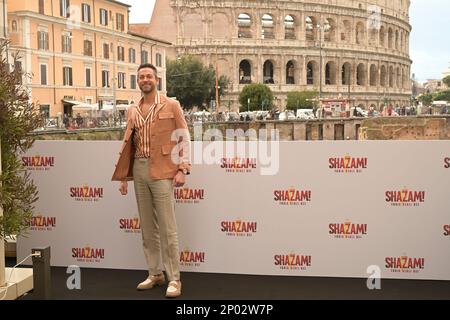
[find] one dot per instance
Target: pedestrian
(157, 164)
(79, 120)
(66, 121)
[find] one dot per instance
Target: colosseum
(341, 48)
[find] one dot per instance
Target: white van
(305, 114)
(286, 115)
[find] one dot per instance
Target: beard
(148, 88)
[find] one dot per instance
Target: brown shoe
(174, 289)
(152, 281)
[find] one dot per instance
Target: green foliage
(442, 96)
(17, 119)
(426, 99)
(259, 95)
(301, 100)
(446, 80)
(192, 83)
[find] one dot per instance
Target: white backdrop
(235, 222)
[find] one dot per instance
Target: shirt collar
(157, 99)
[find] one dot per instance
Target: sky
(429, 42)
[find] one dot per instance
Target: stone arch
(245, 23)
(329, 30)
(382, 36)
(245, 72)
(373, 75)
(390, 37)
(361, 75)
(346, 31)
(405, 78)
(383, 76)
(401, 41)
(396, 40)
(312, 73)
(290, 26)
(346, 74)
(391, 77)
(192, 25)
(360, 33)
(311, 28)
(373, 36)
(268, 27)
(291, 67)
(330, 73)
(220, 26)
(399, 79)
(269, 72)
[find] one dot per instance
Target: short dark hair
(148, 65)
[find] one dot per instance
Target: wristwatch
(184, 171)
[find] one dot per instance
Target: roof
(147, 37)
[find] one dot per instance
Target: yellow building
(80, 51)
(3, 23)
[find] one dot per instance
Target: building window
(103, 17)
(14, 26)
(159, 84)
(41, 7)
(105, 79)
(120, 53)
(88, 77)
(18, 70)
(133, 81)
(131, 55)
(121, 79)
(44, 110)
(64, 8)
(42, 40)
(18, 66)
(43, 74)
(120, 22)
(106, 51)
(86, 13)
(66, 43)
(158, 60)
(88, 48)
(67, 76)
(144, 57)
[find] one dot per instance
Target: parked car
(359, 112)
(305, 114)
(286, 115)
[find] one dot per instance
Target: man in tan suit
(155, 154)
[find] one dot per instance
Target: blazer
(169, 143)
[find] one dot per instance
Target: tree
(442, 96)
(301, 100)
(17, 118)
(426, 99)
(258, 95)
(446, 80)
(192, 83)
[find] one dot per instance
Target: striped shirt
(143, 129)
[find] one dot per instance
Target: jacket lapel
(160, 105)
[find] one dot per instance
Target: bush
(301, 100)
(259, 95)
(17, 119)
